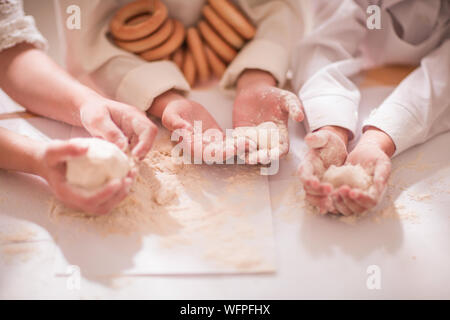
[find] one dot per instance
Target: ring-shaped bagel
(223, 50)
(217, 65)
(170, 46)
(128, 32)
(195, 45)
(152, 41)
(178, 57)
(234, 17)
(227, 32)
(189, 68)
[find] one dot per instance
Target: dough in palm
(102, 163)
(350, 175)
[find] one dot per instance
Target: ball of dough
(102, 163)
(352, 176)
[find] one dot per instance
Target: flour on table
(102, 163)
(350, 175)
(167, 201)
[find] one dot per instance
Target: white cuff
(397, 122)
(258, 54)
(143, 84)
(331, 110)
(21, 30)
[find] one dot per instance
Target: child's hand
(118, 123)
(258, 100)
(178, 113)
(373, 154)
(328, 146)
(52, 167)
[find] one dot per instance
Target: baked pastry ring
(152, 41)
(127, 32)
(234, 17)
(189, 68)
(170, 46)
(217, 65)
(222, 49)
(227, 32)
(195, 45)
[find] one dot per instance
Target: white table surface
(317, 257)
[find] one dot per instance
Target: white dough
(103, 162)
(352, 176)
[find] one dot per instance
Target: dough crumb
(350, 175)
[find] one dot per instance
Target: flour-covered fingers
(340, 206)
(350, 203)
(362, 198)
(324, 204)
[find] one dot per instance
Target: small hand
(180, 113)
(120, 124)
(258, 100)
(373, 156)
(327, 147)
(52, 162)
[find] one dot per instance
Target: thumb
(292, 105)
(173, 121)
(108, 130)
(60, 151)
(317, 139)
(381, 175)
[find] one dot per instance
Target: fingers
(114, 200)
(381, 175)
(173, 121)
(317, 139)
(292, 105)
(100, 202)
(340, 206)
(323, 203)
(144, 135)
(362, 199)
(60, 151)
(105, 128)
(354, 207)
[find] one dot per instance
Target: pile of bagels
(143, 27)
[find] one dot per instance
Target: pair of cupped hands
(258, 100)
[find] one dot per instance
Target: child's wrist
(378, 138)
(252, 77)
(341, 132)
(36, 159)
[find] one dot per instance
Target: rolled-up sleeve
(324, 60)
(419, 108)
(16, 27)
(117, 73)
(278, 24)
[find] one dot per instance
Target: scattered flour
(168, 200)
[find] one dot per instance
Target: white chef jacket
(132, 80)
(341, 45)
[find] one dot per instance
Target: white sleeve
(121, 75)
(279, 23)
(17, 28)
(419, 108)
(323, 61)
